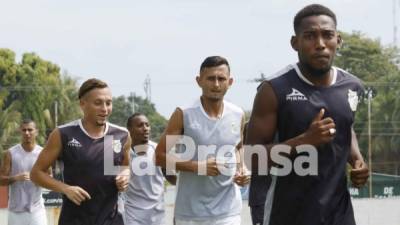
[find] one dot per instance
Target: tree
(377, 66)
(123, 108)
(8, 70)
(34, 88)
(37, 85)
(29, 89)
(9, 115)
(65, 99)
(9, 123)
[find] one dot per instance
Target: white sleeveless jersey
(24, 196)
(144, 199)
(201, 197)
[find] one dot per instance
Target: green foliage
(67, 99)
(8, 70)
(34, 88)
(367, 58)
(378, 67)
(9, 123)
(30, 89)
(123, 108)
(158, 124)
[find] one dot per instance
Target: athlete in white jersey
(25, 203)
(144, 199)
(207, 197)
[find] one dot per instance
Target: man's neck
(214, 109)
(140, 148)
(28, 146)
(136, 143)
(93, 129)
(322, 80)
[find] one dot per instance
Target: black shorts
(257, 214)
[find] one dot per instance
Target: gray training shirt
(24, 196)
(144, 199)
(201, 197)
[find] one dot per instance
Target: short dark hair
(312, 10)
(26, 121)
(89, 85)
(213, 61)
(132, 117)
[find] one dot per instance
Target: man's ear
(81, 103)
(294, 43)
(198, 79)
(339, 41)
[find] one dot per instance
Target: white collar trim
(84, 131)
(198, 103)
(302, 77)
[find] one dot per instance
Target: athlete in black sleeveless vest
(90, 192)
(312, 103)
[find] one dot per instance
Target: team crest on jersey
(352, 98)
(117, 146)
(235, 128)
(195, 125)
(296, 96)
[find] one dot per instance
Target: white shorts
(38, 217)
(231, 220)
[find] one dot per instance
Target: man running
(215, 126)
(144, 199)
(311, 103)
(90, 189)
(25, 202)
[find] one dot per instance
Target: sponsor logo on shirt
(74, 143)
(296, 96)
